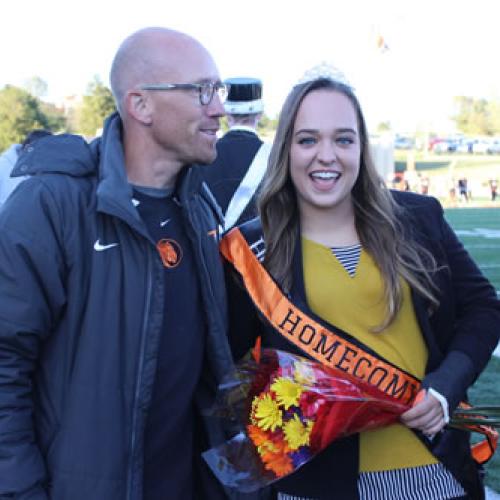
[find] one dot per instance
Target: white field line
(496, 352)
(479, 231)
(491, 495)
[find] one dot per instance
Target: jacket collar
(114, 193)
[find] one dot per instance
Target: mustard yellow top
(356, 304)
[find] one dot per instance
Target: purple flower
(302, 455)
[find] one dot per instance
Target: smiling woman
(324, 161)
(381, 270)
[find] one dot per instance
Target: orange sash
(319, 342)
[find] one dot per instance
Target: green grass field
(479, 230)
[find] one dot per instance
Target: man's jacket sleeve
(32, 298)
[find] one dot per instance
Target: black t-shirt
(168, 439)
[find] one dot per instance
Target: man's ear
(139, 106)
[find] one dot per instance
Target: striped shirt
(430, 482)
(348, 257)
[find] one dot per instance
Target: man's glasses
(206, 90)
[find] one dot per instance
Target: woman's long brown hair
(376, 214)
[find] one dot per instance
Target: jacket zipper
(194, 238)
(133, 437)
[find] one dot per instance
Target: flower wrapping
(289, 408)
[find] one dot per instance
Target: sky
(435, 50)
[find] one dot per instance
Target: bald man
(112, 291)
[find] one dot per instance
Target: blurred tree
(384, 127)
(266, 125)
(20, 113)
(494, 111)
(36, 86)
(473, 116)
(56, 117)
(224, 126)
(97, 104)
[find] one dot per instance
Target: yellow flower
(267, 414)
(296, 433)
(304, 374)
(287, 392)
(268, 447)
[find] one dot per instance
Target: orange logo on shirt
(170, 252)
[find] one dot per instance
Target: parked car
(480, 146)
(465, 146)
(444, 146)
(494, 147)
(403, 143)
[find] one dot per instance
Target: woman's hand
(426, 415)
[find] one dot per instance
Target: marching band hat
(244, 97)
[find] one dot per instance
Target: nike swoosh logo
(99, 248)
(163, 223)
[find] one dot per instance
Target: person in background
(8, 159)
(424, 185)
(463, 190)
(385, 277)
(242, 156)
(493, 189)
(452, 190)
(113, 291)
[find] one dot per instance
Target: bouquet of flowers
(290, 408)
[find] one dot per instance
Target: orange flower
(279, 463)
(257, 435)
(272, 449)
(274, 454)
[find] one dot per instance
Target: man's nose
(215, 107)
